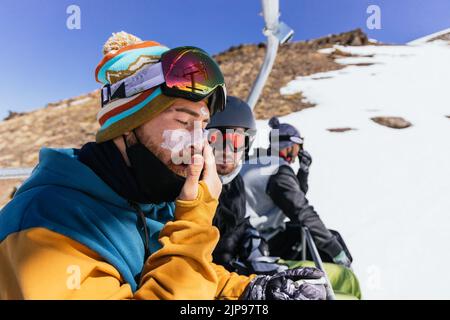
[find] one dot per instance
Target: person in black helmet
(274, 192)
(240, 247)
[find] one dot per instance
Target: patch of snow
(327, 50)
(355, 60)
(80, 101)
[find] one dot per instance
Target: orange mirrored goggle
(234, 140)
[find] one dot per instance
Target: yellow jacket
(41, 264)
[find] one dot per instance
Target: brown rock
(13, 114)
(352, 38)
(392, 122)
(340, 129)
(443, 37)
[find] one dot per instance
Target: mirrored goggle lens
(236, 140)
(191, 70)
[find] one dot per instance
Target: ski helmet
(285, 134)
(237, 113)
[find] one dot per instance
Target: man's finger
(196, 166)
(210, 160)
(302, 273)
(190, 188)
(210, 176)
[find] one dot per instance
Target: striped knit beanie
(124, 55)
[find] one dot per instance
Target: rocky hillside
(69, 122)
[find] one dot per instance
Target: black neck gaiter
(107, 162)
(157, 183)
(147, 181)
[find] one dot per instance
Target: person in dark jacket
(275, 193)
(240, 247)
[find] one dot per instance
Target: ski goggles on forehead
(184, 72)
(236, 140)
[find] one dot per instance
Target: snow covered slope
(430, 37)
(386, 190)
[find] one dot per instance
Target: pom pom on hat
(274, 123)
(119, 40)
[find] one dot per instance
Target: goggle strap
(153, 76)
(149, 77)
(106, 94)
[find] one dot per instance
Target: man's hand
(285, 286)
(201, 162)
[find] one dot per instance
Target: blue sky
(43, 61)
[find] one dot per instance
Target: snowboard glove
(305, 160)
(303, 171)
(284, 286)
